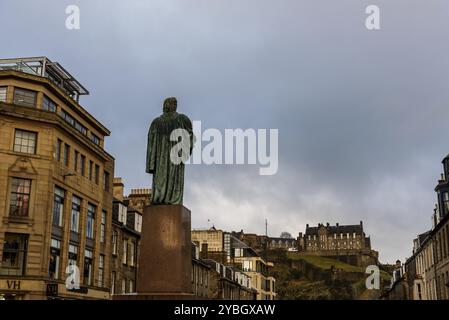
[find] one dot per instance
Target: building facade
(258, 271)
(427, 270)
(440, 234)
(230, 253)
(213, 280)
(55, 186)
(126, 233)
(263, 242)
(346, 242)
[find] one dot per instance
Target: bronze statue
(162, 149)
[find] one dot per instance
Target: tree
(286, 235)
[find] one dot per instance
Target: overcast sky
(362, 115)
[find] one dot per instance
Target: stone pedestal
(165, 259)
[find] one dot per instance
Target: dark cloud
(361, 115)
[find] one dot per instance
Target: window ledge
(20, 220)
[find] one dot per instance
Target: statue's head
(170, 105)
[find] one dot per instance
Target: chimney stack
(118, 188)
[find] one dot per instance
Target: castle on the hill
(347, 243)
(344, 242)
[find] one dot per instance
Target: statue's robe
(168, 178)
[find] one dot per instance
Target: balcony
(44, 67)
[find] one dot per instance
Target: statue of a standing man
(170, 143)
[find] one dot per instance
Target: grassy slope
(295, 288)
(325, 263)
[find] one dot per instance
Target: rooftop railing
(44, 67)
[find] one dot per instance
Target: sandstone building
(427, 270)
(55, 186)
(345, 242)
(126, 231)
(213, 280)
(225, 249)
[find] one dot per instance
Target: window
(95, 139)
(238, 252)
(58, 149)
(97, 174)
(132, 251)
(125, 251)
(3, 91)
(75, 161)
(247, 265)
(123, 285)
(25, 141)
(75, 218)
(48, 104)
(68, 118)
(106, 181)
(80, 128)
(66, 155)
(131, 286)
(138, 223)
(83, 165)
(103, 226)
(87, 279)
(55, 254)
(122, 213)
(20, 197)
(73, 122)
(73, 255)
(114, 242)
(90, 225)
(14, 254)
(113, 282)
(24, 97)
(90, 173)
(446, 202)
(101, 270)
(58, 206)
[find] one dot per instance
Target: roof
(44, 67)
(356, 228)
(423, 236)
(53, 75)
(282, 239)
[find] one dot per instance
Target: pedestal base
(165, 259)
